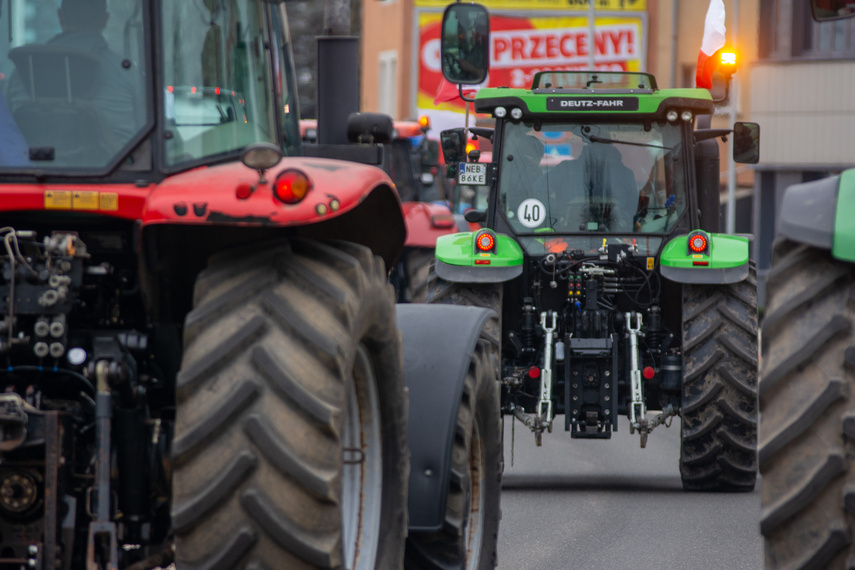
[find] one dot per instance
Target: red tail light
(291, 186)
(698, 243)
(485, 242)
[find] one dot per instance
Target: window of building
(794, 35)
(387, 94)
(824, 40)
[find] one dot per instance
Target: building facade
(801, 94)
(662, 37)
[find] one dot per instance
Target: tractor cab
(136, 89)
(584, 155)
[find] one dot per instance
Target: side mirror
(826, 10)
(430, 156)
(746, 143)
(453, 143)
(475, 216)
(465, 43)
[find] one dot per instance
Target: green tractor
(807, 428)
(600, 250)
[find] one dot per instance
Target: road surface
(607, 504)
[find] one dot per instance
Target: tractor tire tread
(805, 454)
(257, 451)
(719, 410)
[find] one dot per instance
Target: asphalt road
(608, 504)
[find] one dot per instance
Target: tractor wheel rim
(362, 471)
(474, 530)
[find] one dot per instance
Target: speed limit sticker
(531, 213)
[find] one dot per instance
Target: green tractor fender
(481, 256)
(705, 258)
(821, 214)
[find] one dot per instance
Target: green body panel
(725, 251)
(843, 244)
(726, 260)
(648, 102)
(459, 249)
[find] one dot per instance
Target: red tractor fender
(346, 200)
(231, 194)
(426, 222)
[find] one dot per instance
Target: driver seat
(60, 82)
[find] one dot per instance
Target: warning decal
(57, 200)
(84, 200)
(81, 200)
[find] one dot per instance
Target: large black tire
(470, 532)
(469, 536)
(718, 449)
(291, 354)
(485, 295)
(418, 262)
(807, 419)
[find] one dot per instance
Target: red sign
(520, 47)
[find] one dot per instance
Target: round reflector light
(485, 242)
(244, 190)
(648, 372)
(291, 186)
(534, 372)
(698, 243)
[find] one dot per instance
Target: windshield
(71, 77)
(218, 91)
(217, 88)
(591, 178)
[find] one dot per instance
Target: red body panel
(208, 195)
(426, 222)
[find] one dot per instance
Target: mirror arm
(705, 134)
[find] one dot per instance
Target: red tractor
(411, 160)
(202, 358)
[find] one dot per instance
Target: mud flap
(438, 344)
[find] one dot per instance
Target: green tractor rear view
(600, 252)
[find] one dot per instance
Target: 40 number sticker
(531, 213)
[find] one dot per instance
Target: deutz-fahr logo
(592, 104)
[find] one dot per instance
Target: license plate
(472, 173)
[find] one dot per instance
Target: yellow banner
(562, 5)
